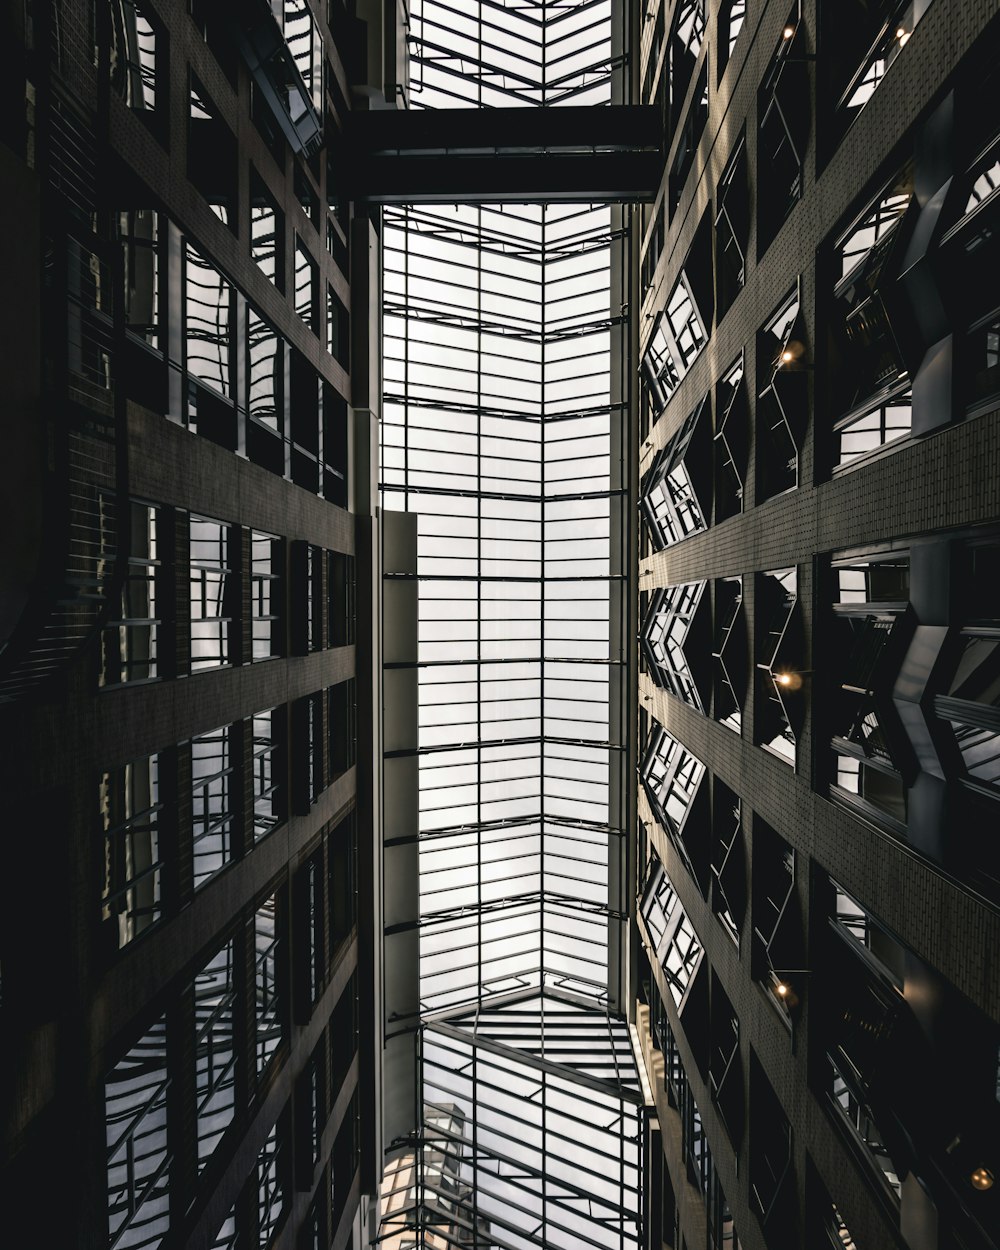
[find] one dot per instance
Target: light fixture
(782, 990)
(791, 680)
(788, 32)
(902, 34)
(982, 1179)
(787, 356)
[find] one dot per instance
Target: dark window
(729, 879)
(340, 589)
(729, 653)
(129, 644)
(872, 631)
(772, 1181)
(782, 400)
(267, 996)
(777, 952)
(725, 1067)
(687, 146)
(267, 226)
(731, 442)
(780, 683)
(342, 727)
(211, 155)
(139, 232)
(338, 329)
(130, 805)
(732, 231)
(343, 888)
(783, 124)
(861, 39)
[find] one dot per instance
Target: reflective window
(670, 775)
(129, 644)
(265, 373)
(267, 807)
(211, 803)
(267, 999)
(130, 805)
(303, 40)
(265, 594)
(871, 631)
(779, 663)
(132, 57)
(270, 1189)
(215, 1051)
(213, 594)
(675, 944)
(862, 50)
(859, 1116)
(135, 1117)
(306, 285)
(971, 704)
(668, 630)
(869, 376)
(266, 230)
(675, 489)
(207, 310)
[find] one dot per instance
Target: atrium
(499, 625)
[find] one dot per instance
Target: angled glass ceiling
(503, 432)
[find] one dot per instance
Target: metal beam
(609, 154)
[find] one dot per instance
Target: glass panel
(135, 1115)
(212, 591)
(207, 305)
(211, 803)
(267, 1001)
(215, 1051)
(129, 644)
(129, 811)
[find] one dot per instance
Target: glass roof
(502, 432)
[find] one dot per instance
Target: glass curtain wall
(504, 432)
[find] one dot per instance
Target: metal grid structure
(503, 430)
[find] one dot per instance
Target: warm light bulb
(781, 989)
(902, 35)
(787, 357)
(982, 1178)
(788, 32)
(783, 679)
